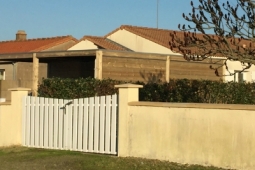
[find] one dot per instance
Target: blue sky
(49, 18)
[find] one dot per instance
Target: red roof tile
(104, 43)
(32, 45)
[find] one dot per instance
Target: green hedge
(200, 91)
(76, 88)
(182, 90)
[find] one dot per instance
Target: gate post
(127, 93)
(11, 118)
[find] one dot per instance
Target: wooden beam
(62, 54)
(16, 57)
(98, 65)
(35, 74)
(167, 69)
(46, 54)
(125, 54)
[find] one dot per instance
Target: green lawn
(22, 158)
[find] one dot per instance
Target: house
(147, 41)
(143, 39)
(17, 73)
(153, 40)
(128, 53)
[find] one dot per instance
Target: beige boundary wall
(11, 118)
(206, 134)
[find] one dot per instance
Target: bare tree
(232, 28)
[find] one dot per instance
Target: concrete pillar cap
(128, 85)
(19, 89)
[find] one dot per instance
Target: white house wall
(137, 43)
(248, 75)
(84, 45)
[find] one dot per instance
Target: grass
(22, 158)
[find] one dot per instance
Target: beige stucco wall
(84, 45)
(11, 118)
(224, 138)
(138, 43)
(206, 134)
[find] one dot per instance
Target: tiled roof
(159, 36)
(104, 43)
(33, 45)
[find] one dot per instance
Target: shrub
(177, 90)
(76, 88)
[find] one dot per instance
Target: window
(2, 74)
(239, 77)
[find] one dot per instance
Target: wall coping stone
(5, 103)
(19, 89)
(128, 85)
(195, 105)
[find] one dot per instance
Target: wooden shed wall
(153, 69)
(133, 69)
(180, 68)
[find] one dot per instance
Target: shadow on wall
(7, 84)
(152, 77)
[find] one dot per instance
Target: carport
(71, 64)
(118, 65)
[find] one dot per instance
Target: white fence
(87, 125)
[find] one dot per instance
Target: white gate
(87, 125)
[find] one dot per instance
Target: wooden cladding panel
(193, 70)
(133, 69)
(180, 58)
